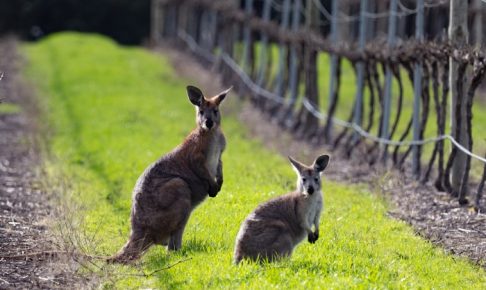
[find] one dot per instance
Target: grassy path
(113, 110)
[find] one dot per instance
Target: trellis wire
(316, 112)
(426, 56)
(343, 18)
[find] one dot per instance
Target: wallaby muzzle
(310, 190)
(209, 124)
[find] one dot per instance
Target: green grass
(113, 110)
(8, 108)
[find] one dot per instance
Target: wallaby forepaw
(312, 237)
(213, 190)
(219, 182)
(212, 193)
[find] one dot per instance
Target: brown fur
(277, 226)
(169, 189)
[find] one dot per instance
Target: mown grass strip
(113, 110)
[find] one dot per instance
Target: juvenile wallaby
(169, 189)
(277, 226)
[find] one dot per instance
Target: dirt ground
(434, 215)
(28, 255)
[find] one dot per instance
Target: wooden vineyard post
(156, 21)
(417, 84)
(287, 114)
(385, 126)
(262, 70)
(246, 38)
(458, 36)
(358, 118)
(279, 82)
(334, 64)
(267, 5)
(308, 122)
(478, 23)
(227, 43)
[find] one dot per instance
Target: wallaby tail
(237, 259)
(132, 250)
(237, 256)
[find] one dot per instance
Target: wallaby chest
(311, 208)
(216, 147)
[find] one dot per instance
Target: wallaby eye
(200, 112)
(303, 179)
(216, 111)
(316, 180)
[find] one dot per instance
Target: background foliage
(126, 21)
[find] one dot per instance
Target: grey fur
(169, 189)
(278, 225)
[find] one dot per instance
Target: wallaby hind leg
(277, 243)
(162, 241)
(261, 243)
(174, 217)
(175, 242)
(136, 245)
(281, 248)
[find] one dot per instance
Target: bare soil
(434, 215)
(29, 258)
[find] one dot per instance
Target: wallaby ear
(220, 97)
(195, 95)
(298, 167)
(321, 163)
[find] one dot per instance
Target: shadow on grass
(158, 256)
(193, 246)
(309, 266)
(243, 279)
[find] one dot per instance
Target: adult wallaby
(169, 189)
(277, 226)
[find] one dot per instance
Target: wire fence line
(343, 18)
(310, 107)
(404, 51)
(284, 84)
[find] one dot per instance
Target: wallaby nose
(310, 190)
(209, 124)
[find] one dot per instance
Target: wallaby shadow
(160, 255)
(309, 266)
(240, 280)
(196, 246)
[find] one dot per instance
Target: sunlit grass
(113, 110)
(9, 108)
